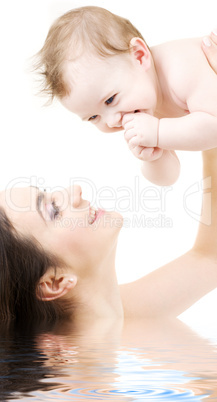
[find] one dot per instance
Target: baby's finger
(132, 145)
(129, 134)
(127, 117)
(136, 151)
(129, 125)
(150, 154)
(144, 153)
(133, 142)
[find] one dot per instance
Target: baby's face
(102, 91)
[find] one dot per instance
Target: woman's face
(63, 223)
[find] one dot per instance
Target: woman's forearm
(171, 289)
(206, 240)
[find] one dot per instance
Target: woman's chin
(112, 220)
(117, 220)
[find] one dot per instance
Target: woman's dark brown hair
(22, 263)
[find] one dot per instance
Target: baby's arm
(193, 86)
(194, 132)
(163, 171)
(173, 288)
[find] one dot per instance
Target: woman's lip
(99, 213)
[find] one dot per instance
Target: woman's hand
(209, 46)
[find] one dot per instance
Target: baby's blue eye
(110, 100)
(92, 117)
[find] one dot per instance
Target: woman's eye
(55, 212)
(110, 100)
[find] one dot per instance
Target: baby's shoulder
(182, 52)
(181, 62)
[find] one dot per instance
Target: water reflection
(154, 361)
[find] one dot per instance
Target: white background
(52, 146)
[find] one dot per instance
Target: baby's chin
(112, 129)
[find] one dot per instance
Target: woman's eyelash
(55, 210)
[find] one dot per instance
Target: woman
(209, 46)
(60, 262)
(50, 269)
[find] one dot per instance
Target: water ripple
(123, 394)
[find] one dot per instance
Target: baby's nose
(115, 120)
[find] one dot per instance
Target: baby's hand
(135, 136)
(146, 154)
(141, 129)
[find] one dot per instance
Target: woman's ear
(54, 285)
(140, 52)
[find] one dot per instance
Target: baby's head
(99, 66)
(91, 29)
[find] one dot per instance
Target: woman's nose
(76, 196)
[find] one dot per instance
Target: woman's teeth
(92, 215)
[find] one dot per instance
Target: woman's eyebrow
(39, 201)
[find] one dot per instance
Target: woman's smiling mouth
(94, 214)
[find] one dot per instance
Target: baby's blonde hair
(92, 28)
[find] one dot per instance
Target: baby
(165, 98)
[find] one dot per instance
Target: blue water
(170, 364)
